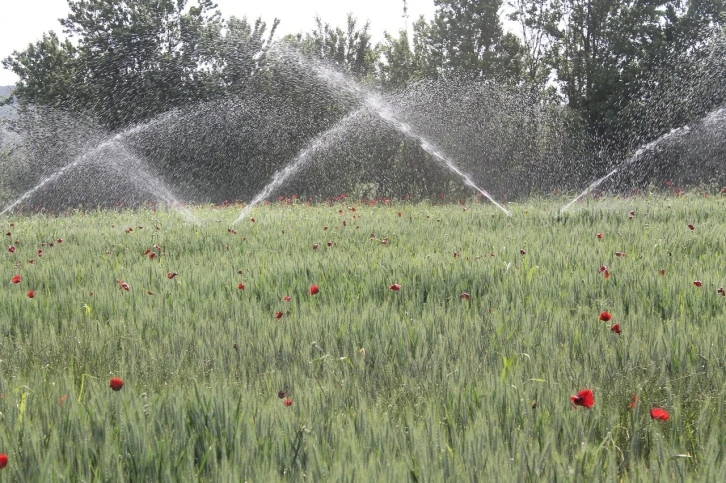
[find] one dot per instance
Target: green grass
(414, 385)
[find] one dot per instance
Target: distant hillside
(6, 111)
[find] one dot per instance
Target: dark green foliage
(628, 72)
(137, 59)
(470, 41)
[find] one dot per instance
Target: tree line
(128, 61)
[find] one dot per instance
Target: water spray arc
(340, 83)
(321, 141)
(155, 185)
(710, 119)
(385, 111)
(381, 109)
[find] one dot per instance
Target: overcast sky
(24, 21)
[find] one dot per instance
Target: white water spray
(339, 81)
(642, 150)
(321, 141)
(379, 108)
(155, 185)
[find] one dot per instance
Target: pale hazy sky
(24, 21)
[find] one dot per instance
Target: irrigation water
(501, 138)
(133, 170)
(341, 83)
(384, 111)
(713, 120)
(632, 159)
(326, 139)
(321, 142)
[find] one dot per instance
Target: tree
(403, 61)
(537, 19)
(139, 58)
(606, 54)
(47, 72)
(468, 38)
(242, 53)
(350, 50)
(396, 65)
(134, 59)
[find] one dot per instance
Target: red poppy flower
(691, 227)
(171, 275)
(583, 398)
(40, 252)
(599, 236)
(30, 294)
(464, 296)
(395, 287)
(314, 289)
(286, 298)
(149, 292)
(632, 213)
(616, 328)
(253, 220)
(662, 271)
(721, 291)
(287, 402)
(603, 268)
(11, 249)
(59, 241)
(633, 401)
(123, 285)
(278, 315)
(325, 228)
(16, 279)
(522, 252)
(315, 246)
(605, 316)
(152, 255)
(697, 283)
(241, 286)
(116, 383)
(606, 273)
(281, 394)
(659, 414)
(620, 254)
(3, 460)
(400, 214)
(457, 254)
(330, 243)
